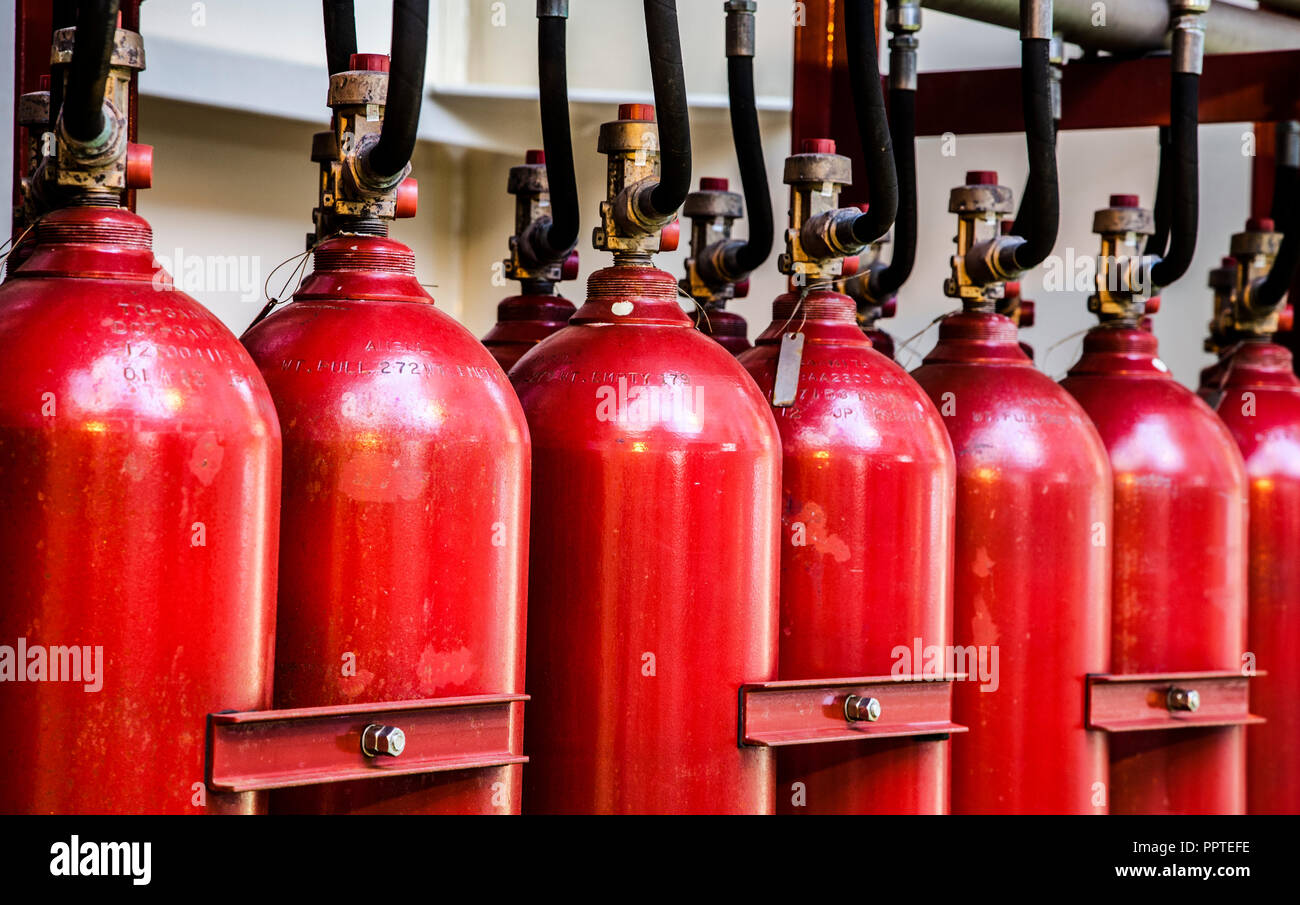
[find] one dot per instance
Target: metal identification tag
(787, 369)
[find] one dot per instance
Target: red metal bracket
(276, 749)
(773, 714)
(1140, 702)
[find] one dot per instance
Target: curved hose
(558, 237)
(340, 34)
(1286, 212)
(670, 104)
(884, 283)
(1158, 242)
(92, 51)
(390, 155)
(1184, 172)
(1043, 218)
(873, 124)
(745, 258)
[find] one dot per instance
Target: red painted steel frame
(277, 749)
(1138, 702)
(811, 711)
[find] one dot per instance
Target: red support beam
(1113, 93)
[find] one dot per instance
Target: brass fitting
(631, 144)
(1223, 280)
(349, 190)
(528, 184)
(1123, 281)
(980, 205)
(33, 116)
(712, 211)
(819, 236)
(1254, 250)
(98, 166)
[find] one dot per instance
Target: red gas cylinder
(652, 593)
(1179, 588)
(1260, 405)
(406, 466)
(140, 481)
(1031, 574)
(867, 521)
(406, 493)
(522, 322)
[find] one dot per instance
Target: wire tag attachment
(787, 369)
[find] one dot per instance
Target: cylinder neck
(631, 295)
(360, 267)
(1118, 348)
(1258, 362)
(976, 336)
(93, 241)
(820, 316)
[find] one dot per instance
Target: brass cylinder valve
(528, 184)
(820, 233)
(1253, 250)
(349, 191)
(1223, 281)
(631, 144)
(980, 205)
(712, 211)
(1123, 281)
(108, 164)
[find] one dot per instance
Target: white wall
(232, 182)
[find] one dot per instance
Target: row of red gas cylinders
(672, 506)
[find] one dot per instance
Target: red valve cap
(742, 288)
(889, 308)
(644, 113)
(713, 184)
(981, 177)
(569, 270)
(1260, 225)
(1026, 314)
(850, 266)
(369, 62)
(535, 156)
(139, 166)
(1153, 304)
(1125, 201)
(408, 198)
(1285, 319)
(670, 236)
(818, 146)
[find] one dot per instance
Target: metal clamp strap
(1184, 700)
(276, 749)
(811, 711)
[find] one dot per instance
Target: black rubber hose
(340, 34)
(1286, 213)
(64, 16)
(1158, 242)
(1185, 199)
(92, 51)
(1040, 136)
(396, 144)
(558, 237)
(1022, 224)
(1286, 181)
(739, 260)
(884, 283)
(873, 123)
(670, 106)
